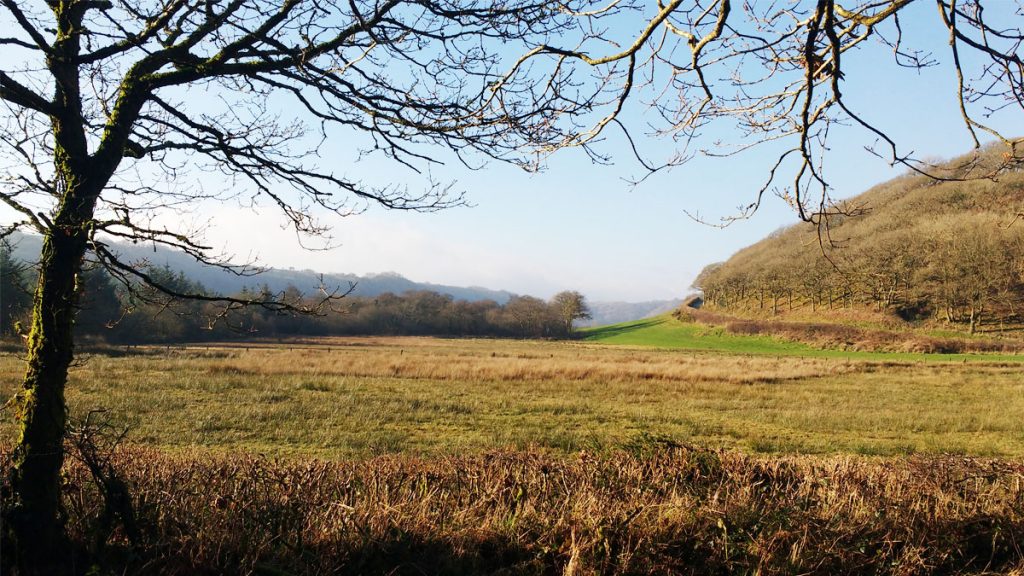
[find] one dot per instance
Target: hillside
(26, 247)
(948, 251)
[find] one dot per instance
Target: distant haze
(26, 247)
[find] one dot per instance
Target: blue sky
(577, 225)
(582, 226)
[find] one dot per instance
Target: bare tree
(570, 306)
(773, 73)
(114, 104)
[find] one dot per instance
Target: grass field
(667, 332)
(659, 511)
(355, 397)
(652, 448)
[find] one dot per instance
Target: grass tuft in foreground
(661, 509)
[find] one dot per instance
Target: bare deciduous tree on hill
(111, 109)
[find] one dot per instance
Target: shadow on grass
(399, 554)
(620, 329)
(415, 556)
(525, 512)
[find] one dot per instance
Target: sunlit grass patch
(340, 398)
(669, 332)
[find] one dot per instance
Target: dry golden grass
(343, 398)
(544, 458)
(496, 360)
(657, 510)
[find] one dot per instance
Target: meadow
(636, 451)
(356, 397)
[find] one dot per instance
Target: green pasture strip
(669, 333)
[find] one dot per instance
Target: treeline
(925, 248)
(118, 314)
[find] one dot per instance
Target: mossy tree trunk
(36, 529)
(36, 524)
(41, 411)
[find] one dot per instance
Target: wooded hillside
(949, 248)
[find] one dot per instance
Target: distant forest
(949, 247)
(114, 314)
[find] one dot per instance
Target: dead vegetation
(656, 508)
(508, 361)
(843, 336)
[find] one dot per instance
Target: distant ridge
(27, 247)
(604, 313)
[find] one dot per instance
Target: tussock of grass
(663, 509)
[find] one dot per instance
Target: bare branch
(16, 93)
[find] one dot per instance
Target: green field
(667, 332)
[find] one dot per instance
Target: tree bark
(35, 530)
(36, 525)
